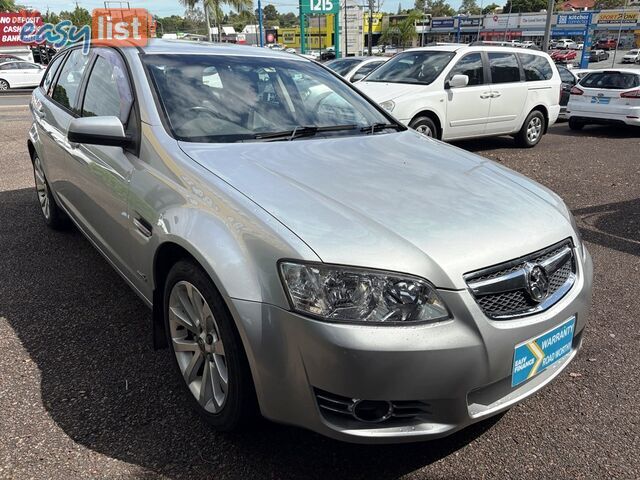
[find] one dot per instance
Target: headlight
(355, 295)
(388, 105)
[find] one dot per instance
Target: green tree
(50, 17)
(215, 7)
(470, 7)
(524, 6)
(490, 8)
(439, 8)
(401, 33)
(79, 16)
(8, 6)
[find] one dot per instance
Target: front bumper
(460, 369)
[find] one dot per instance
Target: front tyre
(52, 213)
(4, 85)
(425, 126)
(532, 130)
(207, 349)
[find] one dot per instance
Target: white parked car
(565, 44)
(632, 56)
(355, 68)
(19, 74)
(455, 92)
(606, 97)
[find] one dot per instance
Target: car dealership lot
(83, 394)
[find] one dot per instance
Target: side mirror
(458, 81)
(107, 131)
(357, 76)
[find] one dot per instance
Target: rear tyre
(532, 130)
(4, 85)
(575, 124)
(53, 215)
(425, 126)
(207, 351)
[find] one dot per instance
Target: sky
(164, 8)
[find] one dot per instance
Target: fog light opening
(372, 411)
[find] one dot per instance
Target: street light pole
(370, 33)
(547, 26)
(615, 50)
(260, 23)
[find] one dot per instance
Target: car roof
(475, 48)
(160, 46)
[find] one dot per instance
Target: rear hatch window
(611, 80)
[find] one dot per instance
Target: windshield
(222, 98)
(633, 52)
(343, 65)
(611, 80)
(421, 67)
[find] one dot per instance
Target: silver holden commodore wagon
(305, 255)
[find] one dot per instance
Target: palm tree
(214, 8)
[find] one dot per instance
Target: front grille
(526, 285)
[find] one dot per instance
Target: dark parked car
(598, 55)
(607, 44)
(569, 79)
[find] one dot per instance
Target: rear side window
(66, 90)
(51, 72)
(536, 67)
(611, 80)
(108, 92)
(504, 67)
(471, 65)
(8, 66)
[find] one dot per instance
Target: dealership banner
(573, 19)
(11, 24)
(617, 18)
(470, 22)
(442, 23)
(535, 20)
(501, 21)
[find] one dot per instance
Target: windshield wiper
(301, 131)
(376, 127)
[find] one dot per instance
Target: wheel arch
(8, 83)
(545, 112)
(433, 116)
(32, 150)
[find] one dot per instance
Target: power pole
(370, 33)
(346, 26)
(547, 26)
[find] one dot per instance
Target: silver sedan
(305, 256)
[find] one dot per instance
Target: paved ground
(82, 394)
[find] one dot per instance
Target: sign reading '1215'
(319, 7)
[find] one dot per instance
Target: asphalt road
(83, 395)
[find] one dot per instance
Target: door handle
(485, 95)
(495, 94)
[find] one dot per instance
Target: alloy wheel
(41, 188)
(534, 129)
(4, 85)
(425, 130)
(198, 347)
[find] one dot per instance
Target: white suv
(455, 92)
